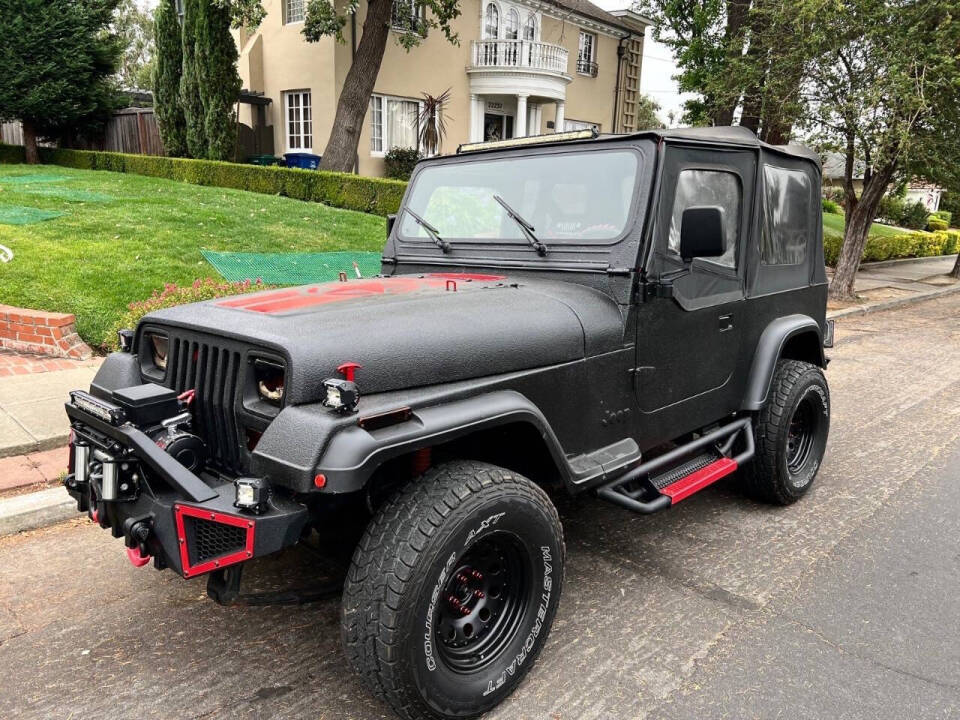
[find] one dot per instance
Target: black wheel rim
(801, 435)
(482, 604)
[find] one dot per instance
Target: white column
(558, 121)
(520, 124)
(476, 118)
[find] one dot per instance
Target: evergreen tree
(189, 82)
(57, 61)
(217, 79)
(166, 79)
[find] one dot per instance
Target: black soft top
(728, 135)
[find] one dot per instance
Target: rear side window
(787, 229)
(697, 188)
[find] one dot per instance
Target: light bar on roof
(588, 134)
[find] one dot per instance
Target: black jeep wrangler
(633, 317)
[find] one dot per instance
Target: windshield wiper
(431, 231)
(525, 226)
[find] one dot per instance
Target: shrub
(835, 194)
(890, 247)
(399, 162)
(943, 215)
(829, 206)
(894, 210)
(12, 154)
(915, 216)
(173, 294)
(377, 196)
(935, 224)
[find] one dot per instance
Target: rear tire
(791, 434)
(452, 590)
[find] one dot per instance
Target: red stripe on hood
(279, 301)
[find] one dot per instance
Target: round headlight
(158, 346)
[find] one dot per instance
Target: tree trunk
(955, 273)
(341, 149)
(855, 233)
(30, 143)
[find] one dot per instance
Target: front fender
(770, 348)
(353, 454)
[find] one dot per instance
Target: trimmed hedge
(907, 245)
(342, 190)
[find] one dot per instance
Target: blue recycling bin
(304, 161)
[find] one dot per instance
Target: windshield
(572, 197)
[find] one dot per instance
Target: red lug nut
(476, 575)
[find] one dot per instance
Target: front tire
(790, 433)
(453, 589)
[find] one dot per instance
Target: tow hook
(137, 536)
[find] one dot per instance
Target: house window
(696, 188)
(530, 28)
(511, 25)
(787, 229)
(491, 22)
(394, 122)
(407, 16)
(587, 54)
(299, 120)
(293, 11)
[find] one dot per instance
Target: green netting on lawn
(292, 268)
(19, 215)
(30, 179)
(69, 194)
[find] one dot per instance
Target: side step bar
(681, 472)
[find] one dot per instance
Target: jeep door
(688, 346)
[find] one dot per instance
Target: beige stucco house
(523, 67)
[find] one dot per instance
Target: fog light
(342, 395)
(252, 494)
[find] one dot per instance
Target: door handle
(726, 323)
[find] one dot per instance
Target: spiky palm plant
(433, 122)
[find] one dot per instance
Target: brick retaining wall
(43, 333)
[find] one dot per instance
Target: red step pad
(694, 482)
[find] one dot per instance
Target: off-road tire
(797, 388)
(410, 554)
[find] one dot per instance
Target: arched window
(511, 25)
(491, 25)
(530, 28)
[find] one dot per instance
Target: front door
(497, 127)
(688, 345)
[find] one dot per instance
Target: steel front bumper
(164, 511)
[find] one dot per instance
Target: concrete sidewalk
(889, 284)
(31, 407)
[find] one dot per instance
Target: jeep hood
(411, 330)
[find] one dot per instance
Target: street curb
(35, 510)
(899, 261)
(892, 304)
(50, 443)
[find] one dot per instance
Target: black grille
(214, 373)
(208, 540)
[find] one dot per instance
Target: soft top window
(696, 188)
(786, 231)
(570, 197)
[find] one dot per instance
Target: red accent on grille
(685, 487)
(180, 511)
(279, 301)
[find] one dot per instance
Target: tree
(217, 79)
(885, 89)
(58, 59)
(647, 109)
(167, 70)
(190, 101)
(134, 28)
(433, 121)
(324, 19)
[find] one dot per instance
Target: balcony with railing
(587, 67)
(519, 54)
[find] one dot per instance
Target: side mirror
(701, 233)
(391, 221)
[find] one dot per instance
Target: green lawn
(122, 236)
(833, 225)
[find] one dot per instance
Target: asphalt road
(845, 605)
